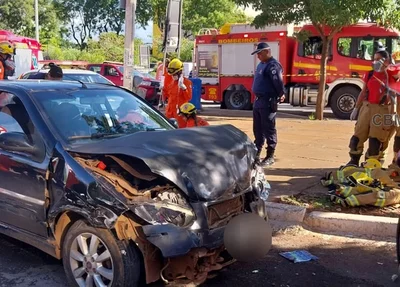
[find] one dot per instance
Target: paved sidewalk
(306, 149)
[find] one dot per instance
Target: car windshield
(86, 78)
(121, 69)
(96, 114)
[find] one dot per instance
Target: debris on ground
(298, 256)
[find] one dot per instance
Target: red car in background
(114, 71)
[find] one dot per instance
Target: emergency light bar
(64, 64)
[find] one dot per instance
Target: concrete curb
(354, 224)
(285, 212)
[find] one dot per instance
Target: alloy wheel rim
(90, 261)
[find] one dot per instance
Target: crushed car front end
(179, 198)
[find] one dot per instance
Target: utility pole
(37, 19)
(130, 18)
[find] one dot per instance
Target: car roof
(65, 71)
(40, 85)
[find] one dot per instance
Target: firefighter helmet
(187, 109)
(7, 48)
(371, 163)
(175, 66)
(361, 181)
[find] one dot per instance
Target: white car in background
(82, 75)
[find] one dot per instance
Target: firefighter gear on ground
(371, 185)
(178, 92)
(188, 113)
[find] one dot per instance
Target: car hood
(207, 163)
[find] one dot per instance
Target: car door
(22, 173)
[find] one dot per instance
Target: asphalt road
(343, 261)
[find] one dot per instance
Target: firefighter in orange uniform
(7, 65)
(178, 92)
(188, 113)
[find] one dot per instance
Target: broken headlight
(161, 212)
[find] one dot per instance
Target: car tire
(122, 262)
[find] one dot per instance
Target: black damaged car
(93, 175)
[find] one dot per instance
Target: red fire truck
(226, 67)
(28, 52)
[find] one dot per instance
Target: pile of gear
(368, 184)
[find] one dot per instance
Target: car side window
(96, 69)
(18, 134)
(111, 71)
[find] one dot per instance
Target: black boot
(269, 159)
(354, 159)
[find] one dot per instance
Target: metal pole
(180, 28)
(130, 15)
(37, 19)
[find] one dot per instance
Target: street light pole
(130, 16)
(37, 19)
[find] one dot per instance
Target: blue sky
(145, 33)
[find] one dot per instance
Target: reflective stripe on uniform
(380, 201)
(346, 191)
(340, 174)
(352, 201)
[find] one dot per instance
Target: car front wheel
(94, 257)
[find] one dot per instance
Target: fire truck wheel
(343, 101)
(237, 100)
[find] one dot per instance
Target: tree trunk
(322, 79)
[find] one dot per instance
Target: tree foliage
(109, 47)
(328, 17)
(198, 14)
(18, 16)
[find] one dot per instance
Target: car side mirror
(16, 142)
(136, 81)
(173, 122)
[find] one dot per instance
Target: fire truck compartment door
(238, 61)
(23, 61)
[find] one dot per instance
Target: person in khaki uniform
(372, 104)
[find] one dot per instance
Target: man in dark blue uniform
(269, 89)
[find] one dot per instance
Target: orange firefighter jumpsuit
(168, 80)
(193, 122)
(177, 97)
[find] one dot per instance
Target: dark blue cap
(261, 46)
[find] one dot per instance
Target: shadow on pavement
(338, 265)
(288, 181)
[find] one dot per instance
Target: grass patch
(315, 202)
(308, 201)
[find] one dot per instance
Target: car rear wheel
(94, 257)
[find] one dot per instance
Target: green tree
(86, 18)
(18, 16)
(198, 14)
(328, 17)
